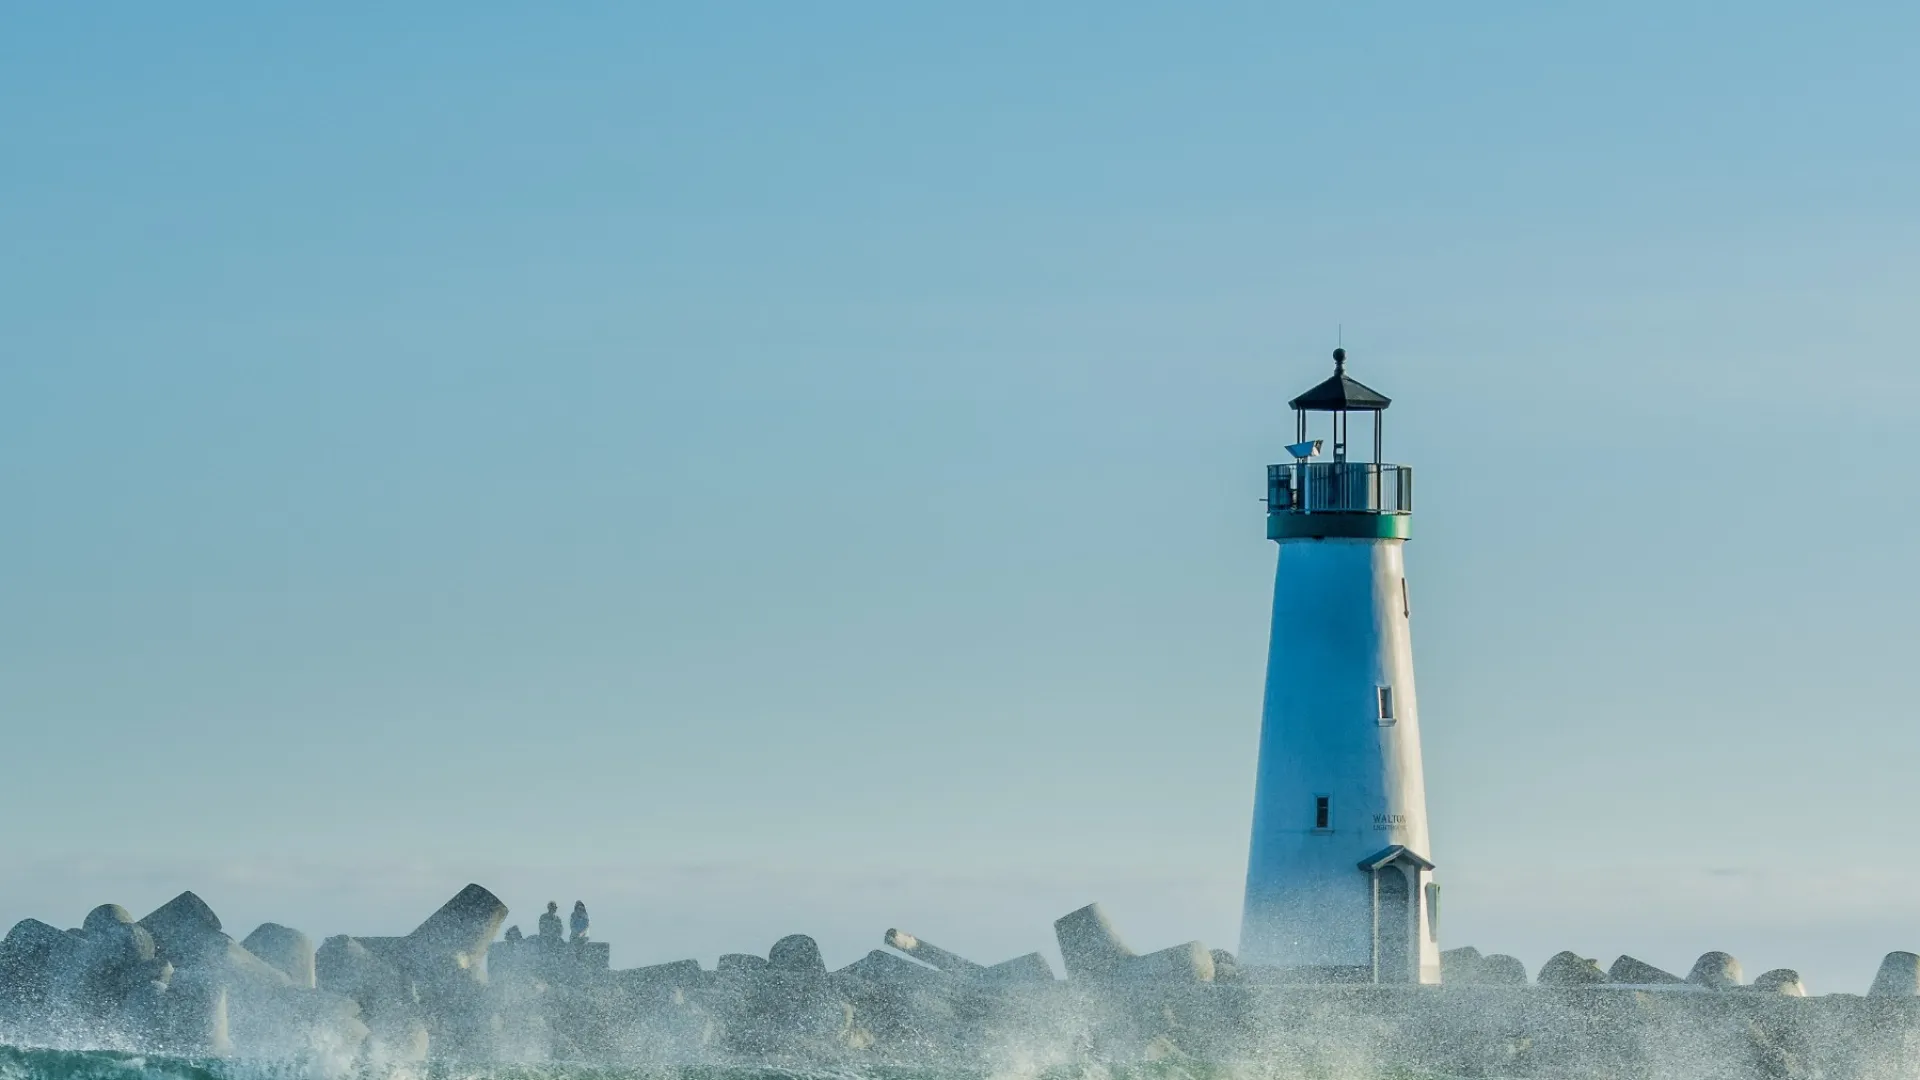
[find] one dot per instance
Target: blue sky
(763, 469)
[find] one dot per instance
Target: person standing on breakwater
(550, 930)
(579, 920)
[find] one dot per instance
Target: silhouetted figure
(513, 935)
(550, 929)
(579, 920)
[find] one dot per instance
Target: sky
(763, 468)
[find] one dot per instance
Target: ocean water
(18, 1063)
(1066, 1033)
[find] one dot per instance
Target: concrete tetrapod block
(1089, 944)
(98, 988)
(268, 1016)
(1031, 968)
(445, 957)
(285, 949)
(783, 1013)
(1783, 981)
(158, 973)
(1640, 973)
(1181, 964)
(677, 975)
(141, 1004)
(185, 930)
(1715, 971)
(735, 963)
(114, 938)
(344, 966)
(1460, 967)
(188, 1018)
(30, 956)
(1499, 969)
(883, 966)
(141, 1010)
(1899, 976)
(796, 952)
(106, 917)
(239, 969)
(1226, 967)
(1570, 969)
(933, 955)
(115, 956)
(192, 1017)
(266, 1012)
(389, 1004)
(456, 936)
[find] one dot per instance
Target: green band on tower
(1331, 525)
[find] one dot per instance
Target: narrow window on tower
(1386, 704)
(1406, 605)
(1323, 813)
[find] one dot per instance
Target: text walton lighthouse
(1340, 882)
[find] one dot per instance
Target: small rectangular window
(1406, 605)
(1433, 910)
(1386, 704)
(1322, 813)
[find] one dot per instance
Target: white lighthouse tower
(1340, 880)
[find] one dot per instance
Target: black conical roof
(1341, 393)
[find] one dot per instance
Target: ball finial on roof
(1340, 393)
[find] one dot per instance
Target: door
(1393, 925)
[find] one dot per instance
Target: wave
(39, 1063)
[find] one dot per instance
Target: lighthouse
(1340, 878)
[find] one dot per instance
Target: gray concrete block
(92, 981)
(933, 955)
(1460, 967)
(189, 1018)
(31, 959)
(1570, 969)
(1715, 971)
(114, 938)
(1031, 968)
(235, 967)
(185, 930)
(1187, 963)
(1499, 969)
(1640, 973)
(285, 949)
(677, 975)
(1783, 981)
(796, 952)
(104, 918)
(455, 938)
(1089, 944)
(883, 966)
(739, 963)
(1899, 976)
(344, 966)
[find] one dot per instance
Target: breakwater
(175, 983)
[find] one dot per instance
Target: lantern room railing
(1340, 487)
